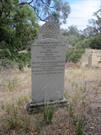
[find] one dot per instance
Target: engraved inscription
(49, 59)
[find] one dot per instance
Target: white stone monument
(48, 58)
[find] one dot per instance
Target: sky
(81, 12)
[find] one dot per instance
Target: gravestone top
(50, 29)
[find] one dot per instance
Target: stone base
(37, 106)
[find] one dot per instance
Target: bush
(17, 60)
(23, 59)
(74, 54)
(7, 64)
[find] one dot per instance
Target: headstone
(48, 58)
(91, 58)
(96, 58)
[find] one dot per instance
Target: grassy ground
(81, 116)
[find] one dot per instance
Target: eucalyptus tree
(93, 32)
(44, 8)
(18, 26)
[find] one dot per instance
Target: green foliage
(95, 42)
(23, 59)
(73, 39)
(92, 42)
(79, 125)
(7, 63)
(73, 30)
(78, 121)
(74, 55)
(76, 46)
(17, 60)
(44, 8)
(18, 28)
(93, 32)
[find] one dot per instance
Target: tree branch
(30, 2)
(33, 7)
(47, 4)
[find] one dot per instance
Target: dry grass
(82, 87)
(14, 84)
(83, 90)
(83, 74)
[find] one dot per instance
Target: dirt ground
(91, 80)
(81, 85)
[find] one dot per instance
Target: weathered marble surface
(48, 57)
